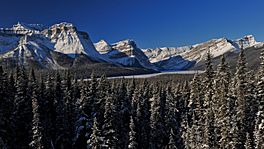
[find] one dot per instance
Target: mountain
(125, 53)
(63, 46)
(25, 45)
(183, 58)
(68, 40)
(60, 46)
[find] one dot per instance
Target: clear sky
(151, 23)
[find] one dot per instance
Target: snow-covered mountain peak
(103, 47)
(68, 40)
(23, 29)
(24, 26)
(127, 46)
(63, 25)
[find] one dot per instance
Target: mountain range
(63, 46)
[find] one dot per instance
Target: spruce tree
(221, 85)
(241, 94)
(259, 124)
(50, 112)
(60, 124)
(95, 141)
(172, 143)
(70, 108)
(132, 135)
(156, 123)
(37, 128)
(4, 107)
(109, 134)
(209, 133)
(22, 114)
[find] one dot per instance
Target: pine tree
(70, 108)
(60, 124)
(83, 124)
(210, 136)
(110, 139)
(143, 116)
(221, 85)
(248, 144)
(37, 128)
(259, 131)
(122, 115)
(50, 113)
(91, 97)
(102, 94)
(172, 143)
(23, 111)
(172, 117)
(156, 123)
(132, 135)
(95, 141)
(251, 107)
(6, 99)
(241, 90)
(259, 124)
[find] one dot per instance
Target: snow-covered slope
(48, 47)
(68, 40)
(175, 63)
(103, 47)
(27, 43)
(125, 53)
(32, 50)
(197, 52)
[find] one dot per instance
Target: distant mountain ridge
(62, 46)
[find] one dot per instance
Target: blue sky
(151, 23)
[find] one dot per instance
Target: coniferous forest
(216, 109)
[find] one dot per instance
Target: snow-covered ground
(158, 74)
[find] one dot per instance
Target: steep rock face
(31, 51)
(175, 63)
(169, 57)
(164, 53)
(68, 40)
(217, 47)
(22, 29)
(103, 47)
(125, 53)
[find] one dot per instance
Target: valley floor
(158, 74)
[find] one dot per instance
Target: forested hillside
(217, 109)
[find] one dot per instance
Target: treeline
(216, 109)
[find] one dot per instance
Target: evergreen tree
(132, 135)
(259, 124)
(221, 85)
(172, 143)
(248, 144)
(4, 107)
(241, 90)
(95, 141)
(23, 111)
(60, 125)
(37, 128)
(110, 139)
(49, 117)
(143, 116)
(156, 123)
(102, 94)
(210, 136)
(70, 107)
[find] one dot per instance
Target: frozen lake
(158, 74)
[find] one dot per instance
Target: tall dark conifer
(209, 133)
(22, 111)
(37, 127)
(241, 94)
